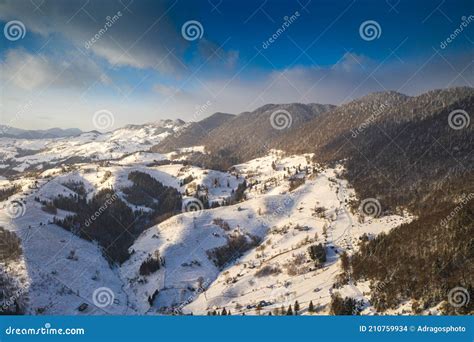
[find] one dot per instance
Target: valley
(229, 215)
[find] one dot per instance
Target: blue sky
(143, 69)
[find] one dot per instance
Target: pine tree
(224, 312)
(290, 311)
(345, 262)
(311, 307)
(297, 307)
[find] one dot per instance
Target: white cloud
(38, 71)
(138, 39)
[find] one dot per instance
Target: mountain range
(11, 132)
(409, 156)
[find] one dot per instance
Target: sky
(142, 60)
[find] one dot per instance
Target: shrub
(77, 187)
(295, 183)
(268, 270)
(49, 208)
(150, 265)
(317, 253)
(237, 244)
(10, 246)
(12, 297)
(221, 223)
(344, 306)
(9, 191)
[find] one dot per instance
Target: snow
(89, 146)
(284, 220)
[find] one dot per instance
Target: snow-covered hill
(235, 256)
(21, 155)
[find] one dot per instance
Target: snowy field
(290, 203)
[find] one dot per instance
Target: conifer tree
(290, 311)
(297, 307)
(311, 307)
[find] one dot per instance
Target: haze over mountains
(275, 184)
(11, 132)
